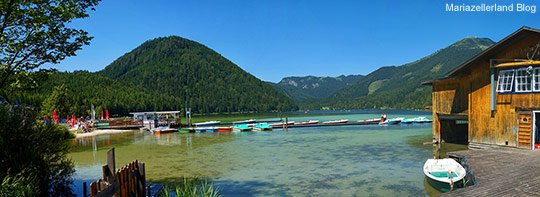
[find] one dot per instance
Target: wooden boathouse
(492, 99)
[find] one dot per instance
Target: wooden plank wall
(501, 126)
(449, 97)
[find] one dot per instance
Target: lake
(359, 160)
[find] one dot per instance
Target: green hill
(399, 86)
(309, 87)
(164, 73)
(189, 71)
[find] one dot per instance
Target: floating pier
(501, 172)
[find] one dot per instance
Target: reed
(192, 187)
(17, 185)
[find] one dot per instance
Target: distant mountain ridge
(399, 86)
(301, 88)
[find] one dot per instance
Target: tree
(59, 100)
(35, 151)
(33, 33)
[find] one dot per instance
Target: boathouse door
(536, 129)
(525, 120)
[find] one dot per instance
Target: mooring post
(85, 190)
(286, 122)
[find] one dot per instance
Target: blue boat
(205, 124)
(242, 127)
(407, 121)
(262, 127)
(206, 129)
(391, 121)
(421, 120)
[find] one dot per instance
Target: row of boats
(405, 121)
(311, 122)
(252, 124)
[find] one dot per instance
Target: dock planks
(501, 172)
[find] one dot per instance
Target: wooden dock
(501, 172)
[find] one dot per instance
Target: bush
(32, 149)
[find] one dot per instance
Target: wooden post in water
(286, 122)
(85, 190)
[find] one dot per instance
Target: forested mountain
(164, 73)
(86, 88)
(302, 88)
(399, 86)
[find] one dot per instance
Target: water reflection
(342, 161)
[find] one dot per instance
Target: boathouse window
(536, 79)
(506, 80)
(523, 80)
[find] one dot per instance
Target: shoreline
(101, 132)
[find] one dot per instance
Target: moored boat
(184, 130)
(163, 129)
(307, 122)
(370, 121)
(245, 121)
(281, 124)
(444, 174)
(407, 121)
(224, 129)
(421, 120)
(242, 127)
(208, 123)
(206, 129)
(391, 121)
(262, 127)
(336, 122)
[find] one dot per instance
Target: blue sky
(272, 39)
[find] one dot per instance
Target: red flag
(107, 112)
(101, 115)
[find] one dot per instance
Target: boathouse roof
(486, 54)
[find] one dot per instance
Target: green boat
(262, 127)
(242, 127)
(184, 130)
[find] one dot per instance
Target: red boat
(162, 130)
(307, 122)
(224, 129)
(281, 124)
(336, 122)
(375, 120)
